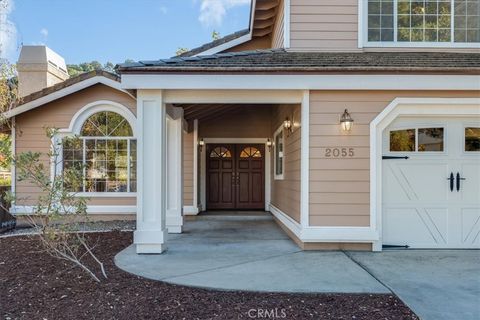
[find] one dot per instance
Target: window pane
(402, 140)
(467, 21)
(72, 164)
(108, 124)
(380, 20)
(430, 139)
(472, 139)
(133, 166)
(279, 153)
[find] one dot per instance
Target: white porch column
(174, 170)
(151, 235)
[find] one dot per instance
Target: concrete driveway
(435, 284)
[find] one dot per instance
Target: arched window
(105, 153)
(250, 152)
(220, 152)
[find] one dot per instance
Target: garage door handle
(394, 157)
(452, 180)
(458, 181)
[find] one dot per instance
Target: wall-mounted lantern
(201, 143)
(269, 144)
(346, 121)
(288, 125)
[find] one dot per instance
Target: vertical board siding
(188, 169)
(31, 134)
(278, 28)
(328, 25)
(340, 187)
(285, 194)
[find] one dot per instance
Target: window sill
(106, 194)
(444, 45)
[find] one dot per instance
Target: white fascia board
(226, 45)
(65, 92)
(300, 82)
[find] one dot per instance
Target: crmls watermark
(275, 313)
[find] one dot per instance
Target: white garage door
(431, 199)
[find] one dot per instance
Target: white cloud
(8, 31)
(212, 12)
(44, 32)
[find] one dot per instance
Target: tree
(76, 69)
(59, 213)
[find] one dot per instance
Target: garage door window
(472, 139)
(402, 140)
(417, 139)
(430, 139)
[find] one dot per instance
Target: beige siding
(285, 194)
(188, 144)
(327, 25)
(340, 188)
(278, 28)
(31, 134)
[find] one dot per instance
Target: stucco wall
(31, 134)
(285, 194)
(340, 187)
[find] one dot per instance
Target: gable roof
(65, 88)
(280, 60)
(263, 14)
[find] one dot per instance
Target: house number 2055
(339, 152)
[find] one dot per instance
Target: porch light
(287, 124)
(346, 121)
(269, 144)
(201, 143)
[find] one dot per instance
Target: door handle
(458, 181)
(452, 180)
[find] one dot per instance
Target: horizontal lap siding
(188, 169)
(31, 134)
(285, 194)
(340, 187)
(327, 25)
(278, 28)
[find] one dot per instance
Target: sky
(116, 30)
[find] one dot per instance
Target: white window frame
(363, 33)
(74, 130)
(275, 175)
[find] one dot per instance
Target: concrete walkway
(241, 252)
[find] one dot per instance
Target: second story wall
(327, 25)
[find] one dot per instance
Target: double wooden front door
(235, 176)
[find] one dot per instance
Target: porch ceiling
(206, 112)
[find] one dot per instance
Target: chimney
(38, 68)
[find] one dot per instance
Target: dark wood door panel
(220, 177)
(250, 176)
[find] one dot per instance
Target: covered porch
(204, 150)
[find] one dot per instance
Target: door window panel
(472, 139)
(430, 139)
(402, 140)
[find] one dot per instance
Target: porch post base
(174, 221)
(175, 229)
(150, 241)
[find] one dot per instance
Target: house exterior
(262, 120)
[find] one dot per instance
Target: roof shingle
(279, 60)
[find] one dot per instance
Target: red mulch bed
(34, 285)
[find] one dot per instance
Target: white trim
(405, 107)
(91, 209)
(106, 194)
(275, 134)
(305, 161)
(361, 18)
(226, 45)
(233, 96)
(65, 92)
(363, 33)
(325, 234)
(90, 109)
(203, 165)
(295, 82)
(195, 164)
(190, 210)
(286, 22)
